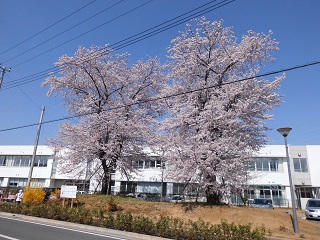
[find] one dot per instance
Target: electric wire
(45, 29)
(168, 96)
(28, 79)
(143, 37)
(70, 40)
(26, 94)
(155, 32)
(168, 21)
(134, 39)
(57, 35)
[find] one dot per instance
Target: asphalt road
(20, 227)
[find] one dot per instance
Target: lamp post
(284, 132)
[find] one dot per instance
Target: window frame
(301, 168)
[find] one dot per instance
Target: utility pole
(3, 71)
(35, 149)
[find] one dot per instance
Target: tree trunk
(105, 185)
(213, 198)
(106, 178)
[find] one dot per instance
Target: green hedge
(166, 227)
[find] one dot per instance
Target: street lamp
(284, 132)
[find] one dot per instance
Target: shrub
(123, 221)
(34, 195)
(108, 221)
(167, 227)
(112, 205)
(143, 225)
(163, 227)
(55, 195)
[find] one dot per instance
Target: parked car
(262, 203)
(313, 209)
(136, 195)
(82, 192)
(176, 199)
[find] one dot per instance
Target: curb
(81, 227)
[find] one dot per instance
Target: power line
(43, 30)
(70, 40)
(27, 95)
(30, 78)
(147, 35)
(168, 21)
(169, 96)
(162, 29)
(57, 35)
(140, 36)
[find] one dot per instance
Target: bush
(167, 227)
(112, 205)
(141, 224)
(55, 195)
(123, 221)
(34, 195)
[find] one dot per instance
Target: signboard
(68, 191)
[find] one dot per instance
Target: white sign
(68, 191)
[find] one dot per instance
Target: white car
(137, 195)
(313, 209)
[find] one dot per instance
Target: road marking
(7, 237)
(53, 226)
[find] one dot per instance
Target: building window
(37, 183)
(266, 164)
(23, 161)
(3, 160)
(16, 161)
(262, 164)
(160, 164)
(17, 182)
(273, 165)
(306, 192)
(300, 165)
(82, 185)
(43, 161)
(148, 187)
(140, 164)
(147, 164)
(178, 188)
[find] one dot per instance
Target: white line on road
(7, 237)
(65, 228)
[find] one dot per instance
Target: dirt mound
(276, 221)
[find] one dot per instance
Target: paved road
(20, 227)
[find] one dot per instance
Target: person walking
(19, 197)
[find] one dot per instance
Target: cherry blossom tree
(110, 98)
(212, 130)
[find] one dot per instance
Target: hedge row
(166, 227)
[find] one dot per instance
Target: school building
(268, 171)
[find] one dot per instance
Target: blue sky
(30, 46)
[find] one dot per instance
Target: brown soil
(276, 221)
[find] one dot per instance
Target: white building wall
(265, 178)
(25, 150)
(143, 175)
(45, 173)
(314, 164)
(155, 174)
(23, 172)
